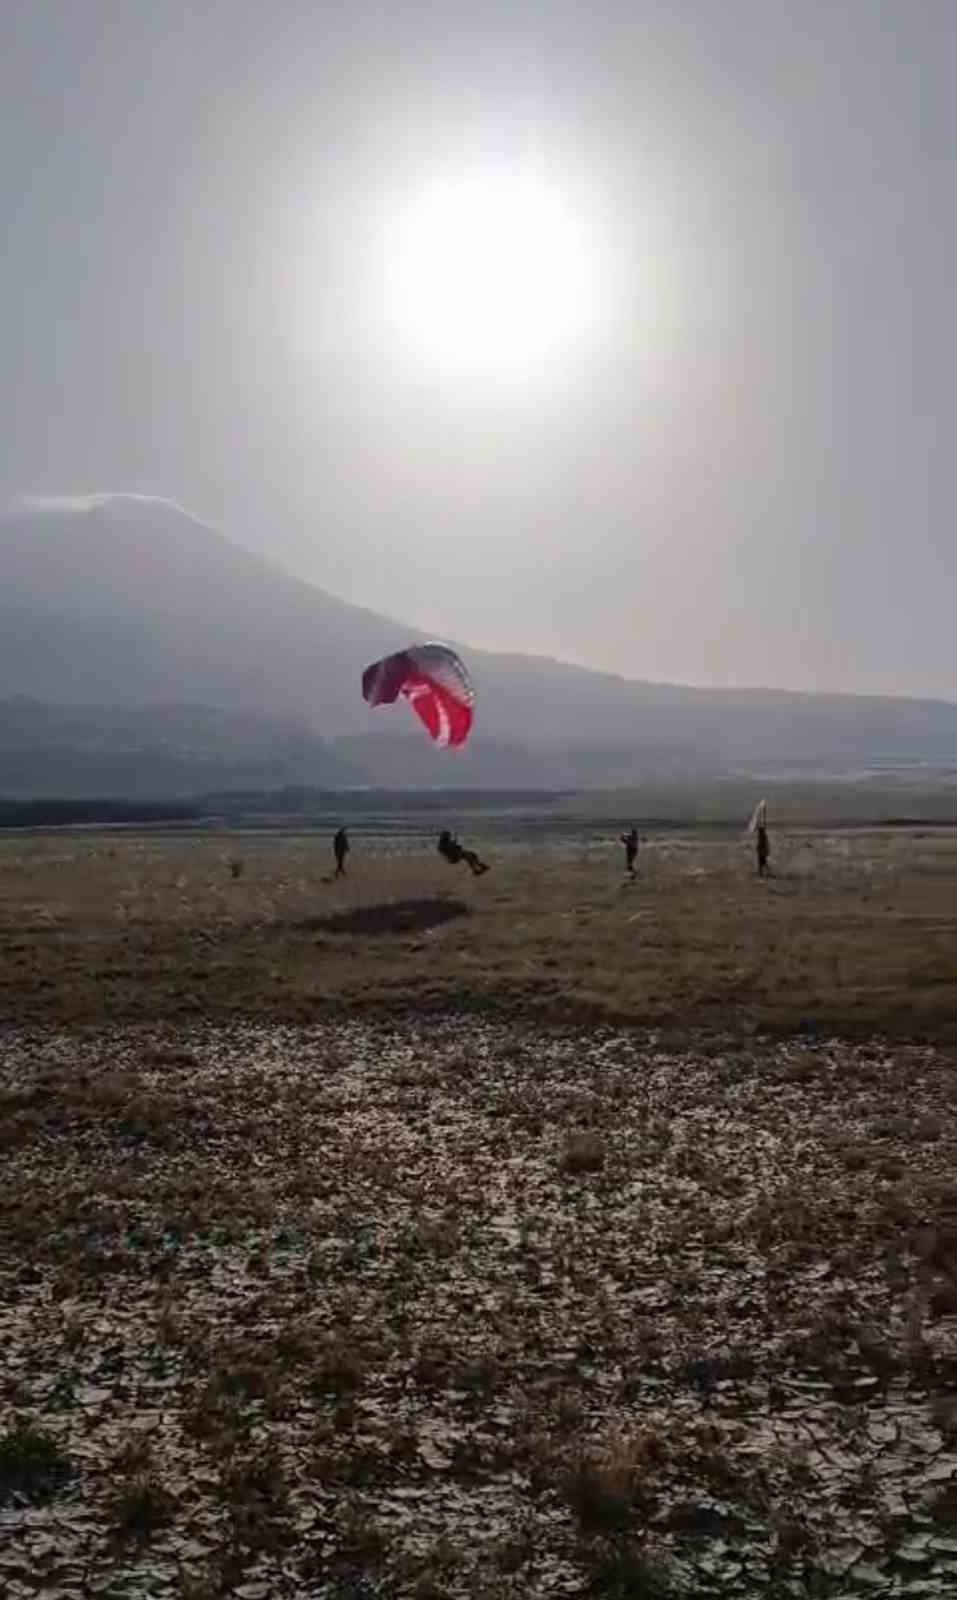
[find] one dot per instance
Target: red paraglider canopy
(434, 681)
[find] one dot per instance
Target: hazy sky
(624, 332)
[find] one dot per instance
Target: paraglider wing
(383, 680)
(434, 681)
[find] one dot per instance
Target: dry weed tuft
(621, 1570)
(255, 1492)
(583, 1152)
(31, 1462)
(614, 1483)
(142, 1506)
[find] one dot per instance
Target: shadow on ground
(398, 916)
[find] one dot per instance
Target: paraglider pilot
(340, 849)
(763, 849)
(453, 852)
(630, 842)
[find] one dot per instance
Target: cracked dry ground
(465, 1309)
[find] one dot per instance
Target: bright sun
(488, 271)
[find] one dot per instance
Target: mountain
(131, 609)
(122, 599)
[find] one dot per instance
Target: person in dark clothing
(764, 850)
(630, 842)
(453, 852)
(340, 849)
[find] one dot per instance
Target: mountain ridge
(124, 600)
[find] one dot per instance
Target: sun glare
(488, 271)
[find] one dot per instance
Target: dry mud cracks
(448, 1308)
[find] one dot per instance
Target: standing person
(759, 827)
(630, 842)
(763, 848)
(340, 849)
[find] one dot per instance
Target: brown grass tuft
(613, 1482)
(582, 1153)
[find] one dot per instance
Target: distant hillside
(155, 752)
(129, 602)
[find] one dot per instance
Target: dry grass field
(434, 1237)
(855, 931)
